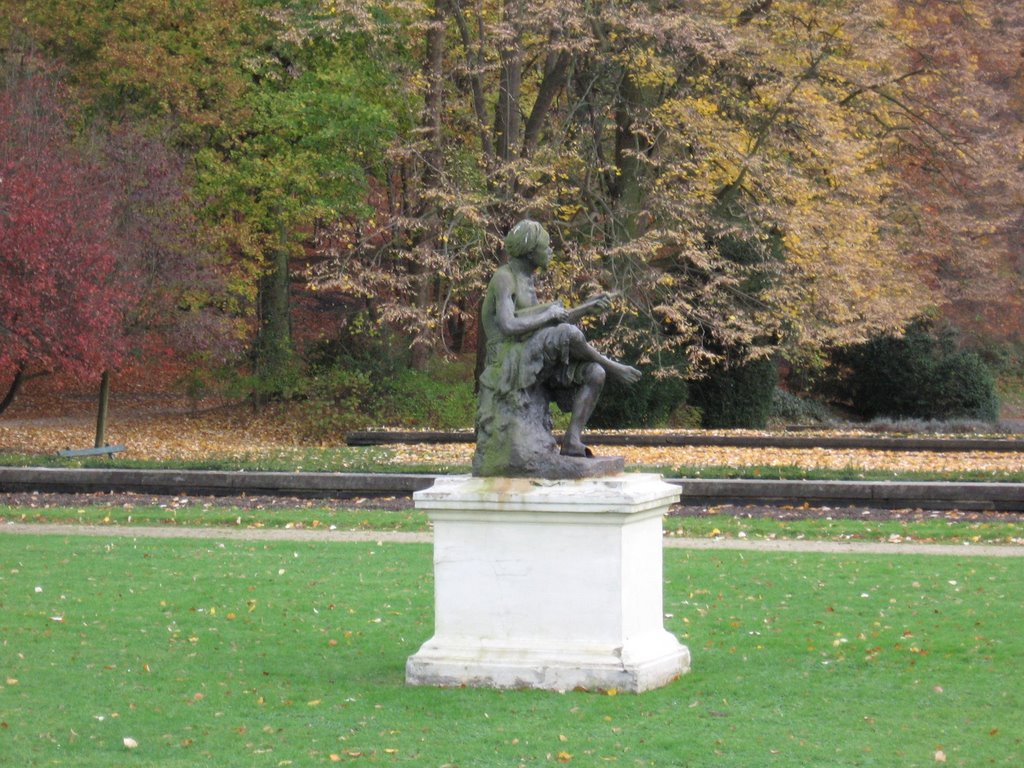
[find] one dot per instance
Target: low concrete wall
(209, 483)
(1003, 497)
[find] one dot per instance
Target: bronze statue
(537, 355)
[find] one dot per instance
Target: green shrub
(339, 399)
(921, 375)
(788, 408)
(1003, 357)
(736, 396)
(332, 403)
(362, 345)
(685, 416)
(441, 397)
(365, 367)
(963, 386)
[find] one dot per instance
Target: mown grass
(382, 460)
(822, 526)
(282, 654)
(183, 511)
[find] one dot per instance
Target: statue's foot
(576, 448)
(627, 374)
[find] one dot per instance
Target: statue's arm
(513, 322)
(597, 303)
(536, 309)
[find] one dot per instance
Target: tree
(774, 175)
(763, 204)
(280, 114)
(957, 162)
(178, 62)
(161, 245)
(713, 164)
(64, 302)
(316, 118)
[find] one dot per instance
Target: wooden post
(101, 417)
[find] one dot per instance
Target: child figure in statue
(535, 355)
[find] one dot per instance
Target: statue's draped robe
(521, 377)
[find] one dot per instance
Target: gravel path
(380, 537)
(37, 500)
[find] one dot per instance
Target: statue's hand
(557, 313)
(599, 302)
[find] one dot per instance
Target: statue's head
(529, 240)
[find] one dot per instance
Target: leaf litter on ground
(239, 435)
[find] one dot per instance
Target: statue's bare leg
(582, 407)
(627, 374)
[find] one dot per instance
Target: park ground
(287, 648)
(246, 642)
(156, 422)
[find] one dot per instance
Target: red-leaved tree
(62, 297)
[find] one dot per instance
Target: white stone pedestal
(552, 584)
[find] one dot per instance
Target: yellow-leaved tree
(733, 170)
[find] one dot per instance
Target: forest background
(301, 202)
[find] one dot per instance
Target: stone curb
(1003, 497)
(679, 439)
(172, 482)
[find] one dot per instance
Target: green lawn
(190, 512)
(286, 654)
(820, 525)
(182, 511)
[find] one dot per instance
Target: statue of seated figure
(536, 355)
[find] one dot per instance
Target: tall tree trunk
(475, 60)
(556, 74)
(433, 102)
(274, 350)
(632, 145)
(433, 169)
(510, 81)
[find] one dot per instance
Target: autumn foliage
(752, 178)
(63, 300)
(755, 180)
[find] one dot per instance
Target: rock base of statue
(546, 584)
(514, 439)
